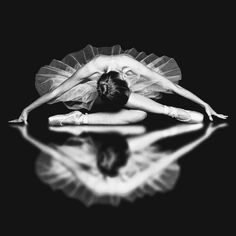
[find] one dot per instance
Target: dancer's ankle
(166, 110)
(170, 111)
(85, 119)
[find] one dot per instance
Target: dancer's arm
(168, 85)
(92, 67)
(189, 95)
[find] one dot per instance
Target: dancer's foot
(73, 118)
(184, 115)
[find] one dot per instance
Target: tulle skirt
(85, 93)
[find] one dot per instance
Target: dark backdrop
(198, 36)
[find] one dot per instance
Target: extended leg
(143, 103)
(77, 118)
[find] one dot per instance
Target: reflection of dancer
(119, 78)
(113, 170)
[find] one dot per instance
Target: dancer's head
(112, 89)
(113, 153)
(106, 152)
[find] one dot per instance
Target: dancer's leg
(77, 118)
(122, 117)
(137, 101)
(143, 103)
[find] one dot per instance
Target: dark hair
(113, 90)
(113, 152)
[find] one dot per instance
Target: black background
(198, 36)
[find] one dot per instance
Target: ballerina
(129, 82)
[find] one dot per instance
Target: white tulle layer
(84, 94)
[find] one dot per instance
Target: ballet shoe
(72, 118)
(182, 115)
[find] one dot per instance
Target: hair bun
(103, 88)
(112, 89)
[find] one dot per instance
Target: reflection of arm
(210, 129)
(169, 158)
(43, 147)
(67, 162)
(138, 143)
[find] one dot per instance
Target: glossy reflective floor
(106, 164)
(109, 164)
(79, 172)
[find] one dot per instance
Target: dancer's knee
(140, 115)
(133, 116)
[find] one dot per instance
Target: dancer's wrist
(204, 104)
(25, 111)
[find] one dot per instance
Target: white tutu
(85, 93)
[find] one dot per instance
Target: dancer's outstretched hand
(22, 119)
(210, 112)
(212, 128)
(22, 128)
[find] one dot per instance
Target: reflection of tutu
(84, 94)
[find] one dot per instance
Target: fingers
(25, 121)
(208, 112)
(221, 116)
(15, 121)
(18, 121)
(221, 125)
(209, 115)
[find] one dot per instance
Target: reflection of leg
(77, 118)
(142, 141)
(123, 130)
